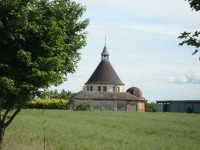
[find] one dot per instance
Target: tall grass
(68, 130)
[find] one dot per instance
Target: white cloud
(187, 78)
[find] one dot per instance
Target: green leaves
(194, 4)
(196, 34)
(6, 85)
(189, 38)
(184, 35)
(8, 91)
(24, 57)
(39, 43)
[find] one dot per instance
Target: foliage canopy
(55, 94)
(150, 107)
(39, 43)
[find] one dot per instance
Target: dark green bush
(150, 107)
(83, 106)
(189, 110)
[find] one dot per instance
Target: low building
(106, 90)
(178, 106)
(113, 101)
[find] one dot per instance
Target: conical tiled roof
(104, 74)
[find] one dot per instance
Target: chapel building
(104, 78)
(106, 90)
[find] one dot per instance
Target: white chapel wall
(101, 87)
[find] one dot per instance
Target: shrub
(49, 104)
(83, 106)
(189, 110)
(150, 107)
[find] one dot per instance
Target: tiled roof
(104, 74)
(135, 91)
(93, 95)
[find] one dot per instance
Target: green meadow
(69, 130)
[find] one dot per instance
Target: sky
(142, 40)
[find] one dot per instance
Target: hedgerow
(49, 104)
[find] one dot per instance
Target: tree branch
(12, 117)
(4, 116)
(1, 101)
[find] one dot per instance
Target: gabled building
(106, 90)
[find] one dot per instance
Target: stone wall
(119, 105)
(141, 106)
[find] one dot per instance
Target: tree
(192, 39)
(39, 43)
(150, 107)
(55, 94)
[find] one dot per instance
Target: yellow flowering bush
(49, 104)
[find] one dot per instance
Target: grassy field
(68, 130)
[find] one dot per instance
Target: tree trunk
(4, 123)
(2, 131)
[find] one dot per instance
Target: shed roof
(93, 95)
(104, 74)
(178, 101)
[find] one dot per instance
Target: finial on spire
(105, 40)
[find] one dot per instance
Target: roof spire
(105, 54)
(105, 40)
